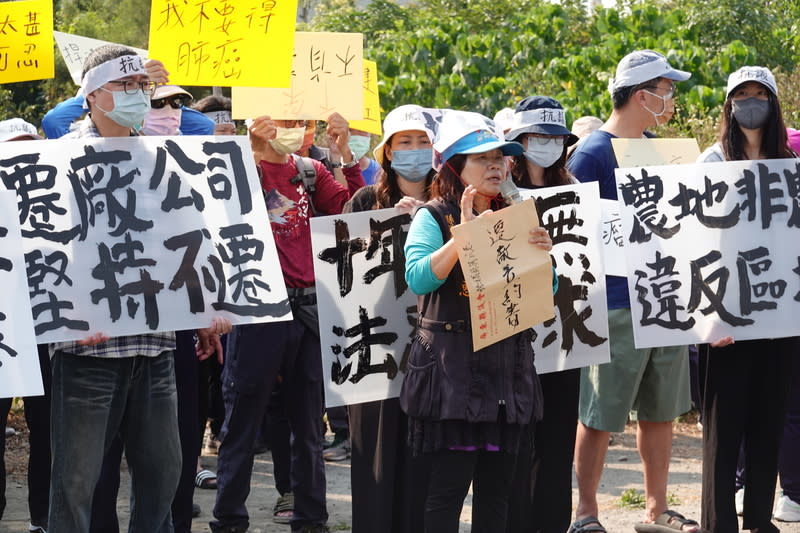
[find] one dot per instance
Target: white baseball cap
(465, 132)
(641, 66)
(760, 74)
(403, 118)
(17, 129)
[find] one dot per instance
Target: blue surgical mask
(412, 165)
(129, 109)
(359, 145)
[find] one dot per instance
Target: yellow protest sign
(26, 40)
(372, 104)
(510, 281)
(326, 77)
(649, 152)
(244, 43)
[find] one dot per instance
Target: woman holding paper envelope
(747, 383)
(389, 485)
(467, 409)
(542, 495)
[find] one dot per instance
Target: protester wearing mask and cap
(166, 110)
(654, 381)
(389, 484)
(746, 393)
(218, 110)
(542, 494)
(459, 416)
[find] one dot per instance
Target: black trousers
(104, 501)
(389, 485)
(746, 390)
(37, 416)
(541, 498)
(256, 355)
(451, 474)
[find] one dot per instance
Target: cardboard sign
(510, 281)
(367, 314)
(327, 77)
(133, 235)
(20, 374)
(710, 250)
(247, 43)
(642, 152)
(26, 41)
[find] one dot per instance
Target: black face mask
(751, 113)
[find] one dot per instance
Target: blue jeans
(93, 400)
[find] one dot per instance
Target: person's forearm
(444, 259)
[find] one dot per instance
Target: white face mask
(543, 155)
(288, 140)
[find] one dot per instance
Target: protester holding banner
(37, 408)
(467, 409)
(655, 382)
(388, 483)
(131, 377)
(747, 383)
(258, 352)
(542, 494)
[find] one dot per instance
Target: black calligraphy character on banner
(391, 247)
(37, 206)
(560, 229)
(187, 275)
(759, 194)
(574, 323)
(220, 181)
(664, 286)
(342, 255)
(113, 262)
(756, 261)
(644, 195)
(39, 267)
(87, 173)
(692, 202)
(511, 298)
(702, 287)
(5, 263)
(173, 200)
(363, 346)
(5, 347)
(793, 188)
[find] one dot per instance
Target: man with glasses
(654, 382)
(104, 386)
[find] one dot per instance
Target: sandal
(668, 522)
(206, 479)
(590, 524)
(283, 511)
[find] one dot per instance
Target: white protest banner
(367, 314)
(578, 335)
(509, 281)
(19, 361)
(612, 239)
(710, 250)
(75, 48)
(654, 151)
(130, 235)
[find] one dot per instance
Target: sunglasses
(175, 102)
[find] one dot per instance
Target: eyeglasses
(294, 123)
(545, 139)
(175, 102)
(671, 92)
(130, 86)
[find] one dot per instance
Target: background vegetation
(487, 54)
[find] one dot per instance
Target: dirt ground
(623, 471)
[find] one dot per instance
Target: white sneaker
(787, 510)
(739, 500)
